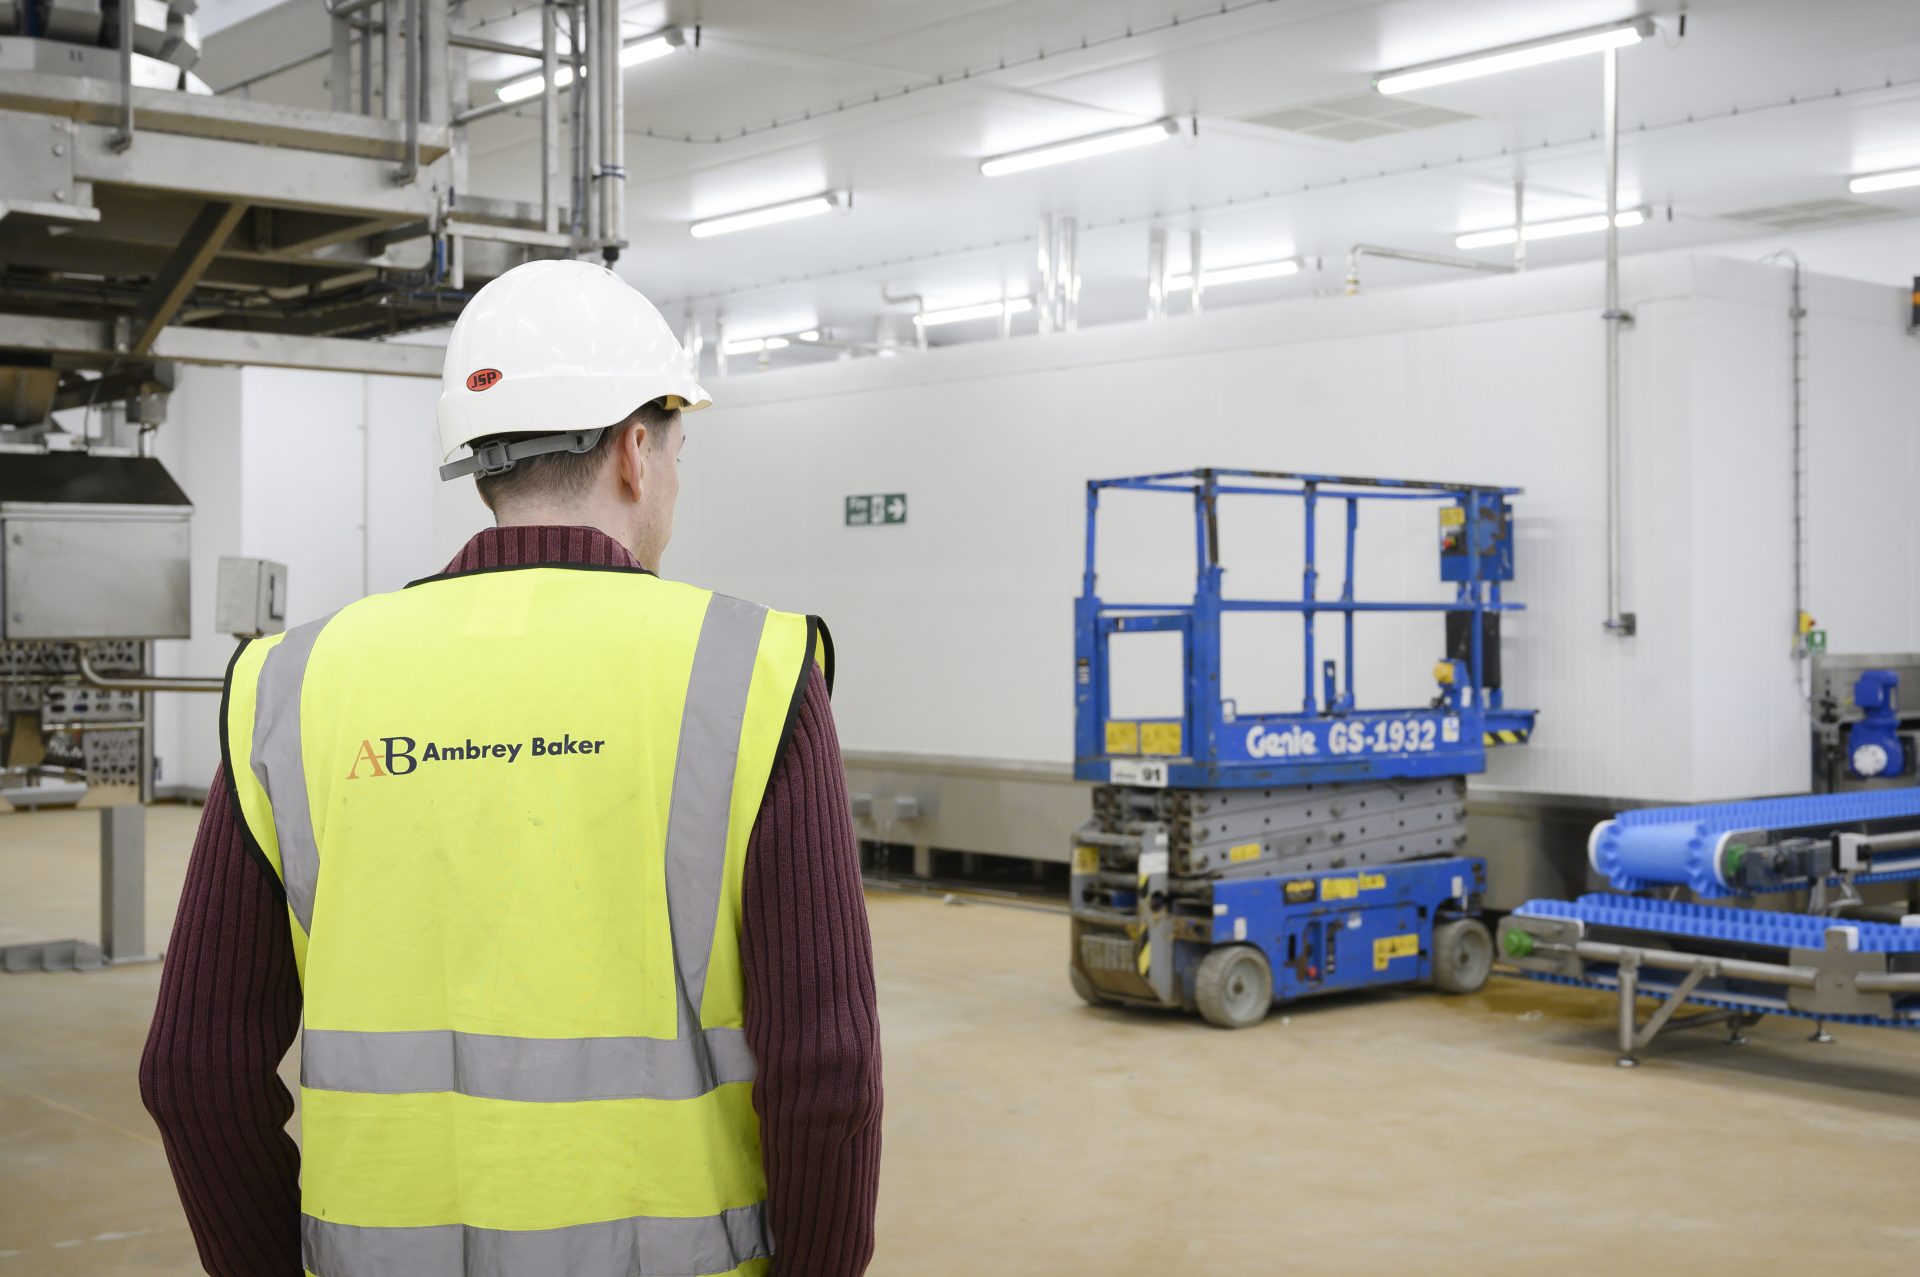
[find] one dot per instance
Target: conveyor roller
(1702, 847)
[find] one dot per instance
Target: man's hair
(564, 476)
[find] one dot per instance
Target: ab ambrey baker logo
(403, 755)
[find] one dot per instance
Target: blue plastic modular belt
(1659, 846)
(1717, 922)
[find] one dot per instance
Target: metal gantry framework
(1331, 737)
(147, 220)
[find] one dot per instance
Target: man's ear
(629, 457)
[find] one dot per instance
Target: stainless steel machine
(95, 553)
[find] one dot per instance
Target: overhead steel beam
(92, 340)
(276, 176)
(181, 272)
(201, 115)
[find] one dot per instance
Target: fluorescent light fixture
(1235, 274)
(1079, 148)
(985, 310)
(1514, 56)
(1894, 181)
(812, 334)
(811, 206)
(754, 345)
(1551, 230)
(632, 55)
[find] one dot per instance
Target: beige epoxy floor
(1403, 1134)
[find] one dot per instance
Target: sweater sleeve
(229, 1007)
(810, 1011)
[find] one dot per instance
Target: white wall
(329, 473)
(1884, 252)
(955, 632)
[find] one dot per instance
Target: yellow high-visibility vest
(509, 810)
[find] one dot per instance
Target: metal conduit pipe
(617, 89)
(550, 122)
(1618, 622)
(1358, 251)
(144, 683)
(919, 311)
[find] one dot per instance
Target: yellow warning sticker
(1299, 891)
(1244, 852)
(1086, 860)
(1372, 882)
(1386, 950)
(1123, 738)
(1160, 738)
(1339, 888)
(1452, 516)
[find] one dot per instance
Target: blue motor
(1873, 745)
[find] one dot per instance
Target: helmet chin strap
(497, 456)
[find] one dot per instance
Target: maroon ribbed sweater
(230, 1005)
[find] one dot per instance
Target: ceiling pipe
(1358, 251)
(888, 296)
(1618, 622)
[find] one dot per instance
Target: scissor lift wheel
(1234, 986)
(1462, 955)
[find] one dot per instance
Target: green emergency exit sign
(875, 509)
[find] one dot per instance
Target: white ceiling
(1764, 102)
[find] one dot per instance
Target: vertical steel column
(1309, 588)
(1617, 622)
(436, 105)
(390, 53)
(340, 64)
(410, 92)
(123, 137)
(577, 88)
(549, 120)
(615, 217)
(365, 38)
(720, 346)
(123, 882)
(586, 97)
(1346, 592)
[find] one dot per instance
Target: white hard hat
(556, 348)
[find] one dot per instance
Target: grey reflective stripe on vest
(703, 771)
(276, 761)
(641, 1247)
(535, 1069)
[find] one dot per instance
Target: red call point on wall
(485, 379)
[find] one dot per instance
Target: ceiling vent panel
(1358, 118)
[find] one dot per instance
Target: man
(552, 861)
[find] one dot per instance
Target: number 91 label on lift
(1146, 774)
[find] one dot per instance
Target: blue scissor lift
(1234, 860)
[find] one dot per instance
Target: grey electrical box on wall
(252, 598)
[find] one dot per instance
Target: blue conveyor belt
(1662, 846)
(1718, 922)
